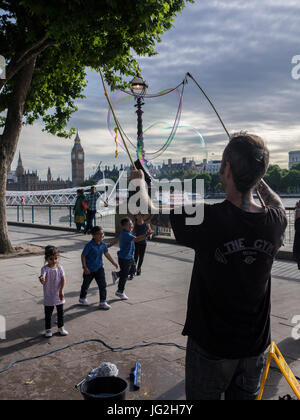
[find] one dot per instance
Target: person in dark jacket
(296, 249)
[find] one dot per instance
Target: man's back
(229, 298)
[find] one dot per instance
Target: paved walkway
(155, 312)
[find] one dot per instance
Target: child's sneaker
(104, 305)
(84, 302)
(48, 334)
(62, 332)
(114, 276)
(122, 296)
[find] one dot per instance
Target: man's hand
(61, 295)
(150, 233)
(139, 174)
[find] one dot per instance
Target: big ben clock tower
(77, 159)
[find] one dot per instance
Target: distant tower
(77, 159)
(20, 169)
(49, 176)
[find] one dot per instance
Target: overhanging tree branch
(28, 49)
(16, 64)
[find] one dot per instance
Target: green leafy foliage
(67, 36)
(280, 180)
(284, 180)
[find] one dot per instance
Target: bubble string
(171, 136)
(220, 119)
(175, 125)
(116, 136)
(177, 119)
(144, 162)
(115, 118)
(120, 128)
(155, 156)
(155, 95)
(112, 129)
(212, 105)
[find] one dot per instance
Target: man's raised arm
(156, 215)
(269, 196)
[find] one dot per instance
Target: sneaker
(104, 305)
(84, 302)
(138, 272)
(122, 296)
(130, 277)
(114, 276)
(62, 332)
(48, 334)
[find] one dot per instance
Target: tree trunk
(9, 142)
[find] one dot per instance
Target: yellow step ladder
(275, 354)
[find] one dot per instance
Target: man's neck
(244, 201)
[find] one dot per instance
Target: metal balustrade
(59, 215)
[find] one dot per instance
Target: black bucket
(104, 388)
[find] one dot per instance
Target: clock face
(80, 155)
(73, 155)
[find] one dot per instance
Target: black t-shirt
(140, 230)
(229, 299)
(296, 248)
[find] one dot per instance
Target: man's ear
(227, 170)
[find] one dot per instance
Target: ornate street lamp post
(138, 88)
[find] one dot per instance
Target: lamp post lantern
(138, 88)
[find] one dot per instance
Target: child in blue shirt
(141, 228)
(126, 256)
(92, 265)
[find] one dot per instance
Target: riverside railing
(52, 215)
(62, 215)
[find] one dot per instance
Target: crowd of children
(133, 241)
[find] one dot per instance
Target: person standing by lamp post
(91, 209)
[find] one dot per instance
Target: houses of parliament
(21, 180)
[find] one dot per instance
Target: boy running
(126, 256)
(92, 265)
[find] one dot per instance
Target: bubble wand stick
(116, 120)
(220, 119)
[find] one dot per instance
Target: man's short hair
(248, 158)
(125, 221)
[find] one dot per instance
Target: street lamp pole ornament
(138, 87)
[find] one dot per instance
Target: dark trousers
(79, 226)
(90, 214)
(208, 377)
(139, 254)
(48, 315)
(99, 276)
(127, 267)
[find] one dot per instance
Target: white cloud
(240, 53)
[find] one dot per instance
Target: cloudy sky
(239, 52)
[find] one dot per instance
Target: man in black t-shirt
(228, 314)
